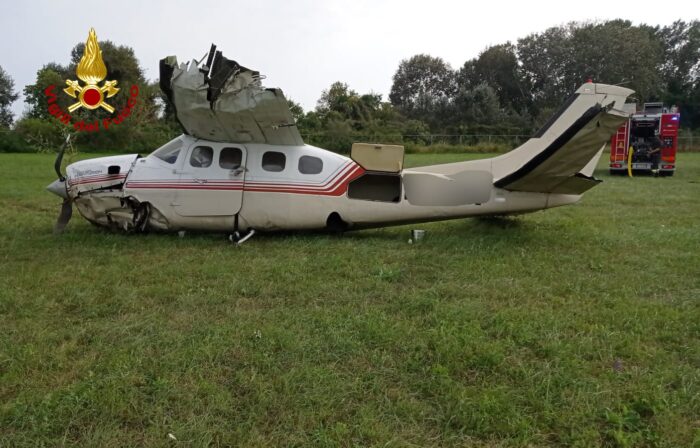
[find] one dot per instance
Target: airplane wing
(224, 101)
(561, 157)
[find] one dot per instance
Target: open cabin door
(211, 180)
(382, 178)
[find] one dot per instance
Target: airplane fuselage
(199, 184)
(203, 185)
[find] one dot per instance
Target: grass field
(577, 326)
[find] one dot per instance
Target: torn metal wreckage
(241, 164)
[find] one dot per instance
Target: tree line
(510, 88)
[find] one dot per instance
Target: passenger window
(274, 161)
(201, 157)
(310, 165)
(168, 153)
(230, 158)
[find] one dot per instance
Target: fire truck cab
(648, 141)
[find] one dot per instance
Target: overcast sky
(301, 46)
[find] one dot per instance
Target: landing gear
(237, 238)
(335, 224)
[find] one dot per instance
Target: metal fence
(687, 142)
(437, 142)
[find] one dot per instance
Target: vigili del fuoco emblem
(91, 70)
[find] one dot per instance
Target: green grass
(577, 326)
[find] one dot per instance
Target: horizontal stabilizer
(576, 184)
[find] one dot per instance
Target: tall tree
(337, 99)
(616, 52)
(681, 48)
(120, 60)
(423, 85)
(560, 59)
(34, 97)
(141, 131)
(7, 97)
(543, 57)
(341, 102)
(477, 106)
(295, 109)
(122, 66)
(681, 68)
(498, 67)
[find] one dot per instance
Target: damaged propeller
(63, 217)
(58, 187)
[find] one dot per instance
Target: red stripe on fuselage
(335, 186)
(344, 170)
(96, 179)
(336, 189)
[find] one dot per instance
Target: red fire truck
(652, 135)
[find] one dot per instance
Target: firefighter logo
(91, 70)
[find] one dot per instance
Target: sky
(300, 46)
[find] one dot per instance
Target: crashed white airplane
(242, 166)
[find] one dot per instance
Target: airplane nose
(58, 187)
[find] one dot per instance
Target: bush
(36, 135)
(441, 148)
(39, 134)
(10, 141)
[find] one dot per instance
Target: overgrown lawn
(577, 326)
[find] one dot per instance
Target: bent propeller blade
(63, 217)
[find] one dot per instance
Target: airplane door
(211, 180)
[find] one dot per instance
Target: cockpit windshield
(170, 151)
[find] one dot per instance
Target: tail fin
(560, 158)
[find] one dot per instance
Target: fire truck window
(310, 165)
(201, 157)
(230, 158)
(274, 161)
(168, 153)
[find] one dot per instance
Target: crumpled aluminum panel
(227, 103)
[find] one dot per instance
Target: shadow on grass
(492, 233)
(499, 222)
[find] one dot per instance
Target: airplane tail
(561, 156)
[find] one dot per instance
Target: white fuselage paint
(246, 186)
(208, 198)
